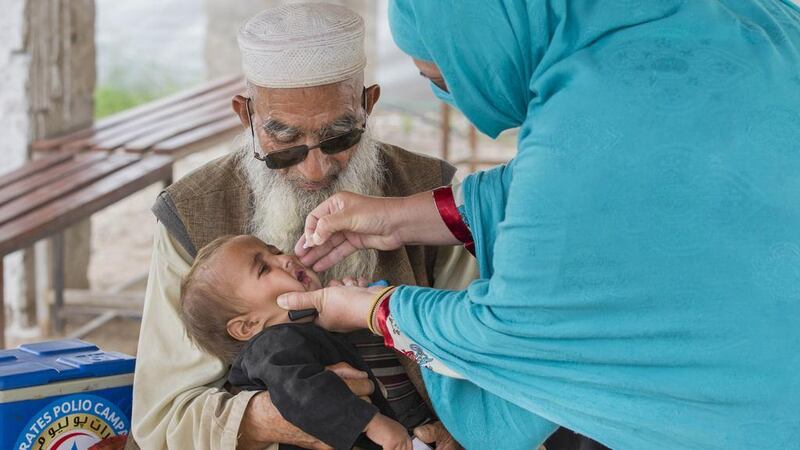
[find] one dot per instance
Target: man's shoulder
(210, 201)
(219, 174)
(398, 154)
(420, 171)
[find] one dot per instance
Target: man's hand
(388, 433)
(262, 424)
(358, 381)
(436, 433)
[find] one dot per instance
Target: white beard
(280, 208)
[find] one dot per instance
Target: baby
(228, 305)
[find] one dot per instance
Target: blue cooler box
(63, 395)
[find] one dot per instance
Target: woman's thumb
(300, 300)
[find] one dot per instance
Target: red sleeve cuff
(383, 314)
(446, 204)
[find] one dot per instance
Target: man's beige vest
(216, 200)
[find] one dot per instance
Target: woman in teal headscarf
(640, 256)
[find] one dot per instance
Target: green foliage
(124, 89)
(112, 99)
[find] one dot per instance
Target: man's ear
(239, 104)
(242, 328)
(373, 93)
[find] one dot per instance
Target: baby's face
(258, 273)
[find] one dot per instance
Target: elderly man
(306, 136)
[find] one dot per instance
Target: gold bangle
(374, 305)
(383, 297)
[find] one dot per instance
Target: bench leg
(2, 307)
(57, 244)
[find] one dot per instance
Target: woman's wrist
(376, 300)
(445, 201)
(373, 320)
(416, 220)
(382, 313)
(405, 217)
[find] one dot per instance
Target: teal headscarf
(640, 256)
(462, 40)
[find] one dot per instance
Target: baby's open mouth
(303, 278)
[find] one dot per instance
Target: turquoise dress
(640, 256)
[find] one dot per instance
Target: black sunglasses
(287, 157)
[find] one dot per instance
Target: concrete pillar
(225, 17)
(47, 66)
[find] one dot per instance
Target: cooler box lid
(54, 361)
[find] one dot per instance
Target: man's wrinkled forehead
(311, 107)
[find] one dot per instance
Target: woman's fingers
(318, 227)
(300, 248)
(334, 256)
(311, 255)
(334, 283)
(349, 281)
(363, 282)
(312, 218)
(331, 224)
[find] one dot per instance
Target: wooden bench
(176, 125)
(45, 197)
(86, 170)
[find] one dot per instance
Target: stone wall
(47, 64)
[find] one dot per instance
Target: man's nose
(315, 166)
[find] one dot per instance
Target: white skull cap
(302, 45)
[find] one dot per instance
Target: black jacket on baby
(289, 361)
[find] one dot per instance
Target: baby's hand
(349, 281)
(388, 433)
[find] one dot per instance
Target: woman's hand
(347, 222)
(340, 308)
